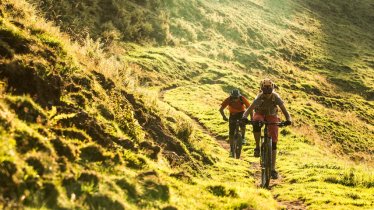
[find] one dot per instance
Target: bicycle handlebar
(260, 123)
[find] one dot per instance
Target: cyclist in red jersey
(236, 104)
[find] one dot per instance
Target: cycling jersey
(236, 106)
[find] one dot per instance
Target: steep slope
(134, 20)
(86, 141)
(73, 138)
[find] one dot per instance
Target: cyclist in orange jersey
(236, 104)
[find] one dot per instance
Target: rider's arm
(285, 112)
(249, 111)
(221, 110)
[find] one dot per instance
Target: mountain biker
(266, 106)
(236, 104)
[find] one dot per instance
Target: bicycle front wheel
(266, 163)
(238, 146)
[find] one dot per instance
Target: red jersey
(236, 105)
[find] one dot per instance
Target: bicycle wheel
(233, 147)
(266, 163)
(238, 148)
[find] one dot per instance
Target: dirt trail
(222, 141)
(294, 205)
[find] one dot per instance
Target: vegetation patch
(89, 177)
(72, 133)
(36, 164)
(106, 83)
(14, 39)
(92, 153)
(221, 191)
(134, 161)
(64, 149)
(23, 78)
(72, 186)
(352, 179)
(101, 201)
(129, 188)
(152, 150)
(27, 109)
(105, 112)
(27, 141)
(8, 181)
(155, 191)
(47, 195)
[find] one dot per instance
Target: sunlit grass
(214, 47)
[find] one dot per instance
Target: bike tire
(234, 145)
(266, 163)
(238, 148)
(262, 162)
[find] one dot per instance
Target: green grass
(309, 173)
(321, 179)
(142, 136)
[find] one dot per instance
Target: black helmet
(235, 93)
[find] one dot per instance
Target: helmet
(235, 93)
(267, 86)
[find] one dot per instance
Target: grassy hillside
(131, 120)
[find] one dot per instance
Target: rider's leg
(243, 134)
(274, 173)
(273, 156)
(257, 132)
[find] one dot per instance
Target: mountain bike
(236, 142)
(265, 151)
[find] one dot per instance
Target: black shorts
(232, 122)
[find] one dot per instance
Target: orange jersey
(237, 105)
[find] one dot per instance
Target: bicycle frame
(236, 144)
(266, 157)
(266, 152)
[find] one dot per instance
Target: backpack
(272, 100)
(240, 98)
(272, 97)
